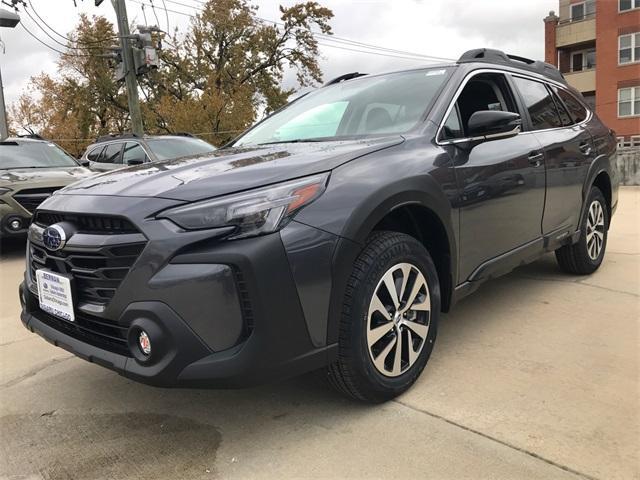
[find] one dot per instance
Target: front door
(501, 183)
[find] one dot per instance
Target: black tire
(575, 259)
(354, 373)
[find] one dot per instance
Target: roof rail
(113, 136)
(489, 55)
(345, 77)
(182, 134)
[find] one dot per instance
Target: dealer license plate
(54, 292)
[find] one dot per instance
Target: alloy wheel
(398, 319)
(595, 230)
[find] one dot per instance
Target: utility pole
(8, 20)
(129, 67)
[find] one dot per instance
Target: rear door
(109, 159)
(568, 150)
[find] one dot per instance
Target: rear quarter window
(576, 109)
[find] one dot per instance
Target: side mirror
(135, 161)
(83, 163)
(494, 124)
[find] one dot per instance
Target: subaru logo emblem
(54, 237)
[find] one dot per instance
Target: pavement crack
(34, 371)
(578, 282)
(16, 341)
(497, 440)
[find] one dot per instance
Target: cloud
(444, 28)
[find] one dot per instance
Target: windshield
(33, 155)
(384, 104)
(165, 148)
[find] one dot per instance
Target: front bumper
(219, 314)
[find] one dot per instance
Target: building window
(628, 102)
(629, 48)
(633, 141)
(624, 5)
(583, 10)
(583, 60)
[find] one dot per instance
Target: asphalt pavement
(536, 375)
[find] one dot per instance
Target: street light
(9, 20)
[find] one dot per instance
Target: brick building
(596, 45)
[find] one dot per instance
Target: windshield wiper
(20, 168)
(297, 140)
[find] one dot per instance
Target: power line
(370, 52)
(166, 13)
(58, 33)
(50, 47)
(153, 9)
(54, 39)
(356, 45)
(333, 38)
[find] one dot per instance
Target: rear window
(33, 155)
(166, 148)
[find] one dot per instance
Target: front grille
(98, 332)
(93, 224)
(31, 198)
(97, 272)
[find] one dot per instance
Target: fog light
(15, 224)
(144, 343)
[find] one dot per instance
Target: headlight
(256, 212)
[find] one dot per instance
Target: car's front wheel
(389, 319)
(585, 256)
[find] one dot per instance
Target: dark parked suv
(330, 235)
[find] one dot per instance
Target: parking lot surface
(536, 375)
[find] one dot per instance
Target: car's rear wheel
(389, 319)
(586, 255)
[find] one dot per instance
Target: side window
(133, 152)
(111, 154)
(562, 110)
(94, 154)
(486, 91)
(576, 109)
(539, 103)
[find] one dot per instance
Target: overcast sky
(443, 28)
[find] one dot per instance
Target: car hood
(227, 170)
(19, 178)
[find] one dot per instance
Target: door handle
(585, 148)
(535, 158)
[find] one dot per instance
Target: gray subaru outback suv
(329, 236)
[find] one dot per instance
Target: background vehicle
(115, 151)
(30, 171)
(332, 234)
